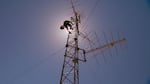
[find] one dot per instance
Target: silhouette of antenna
(74, 53)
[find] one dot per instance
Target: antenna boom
(106, 45)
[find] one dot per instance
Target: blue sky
(29, 34)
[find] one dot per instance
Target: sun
(59, 36)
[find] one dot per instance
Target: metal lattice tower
(70, 68)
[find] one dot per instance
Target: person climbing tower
(67, 24)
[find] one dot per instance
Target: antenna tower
(70, 68)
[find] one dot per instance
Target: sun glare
(59, 35)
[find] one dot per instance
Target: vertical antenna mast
(70, 69)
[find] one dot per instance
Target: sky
(32, 45)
